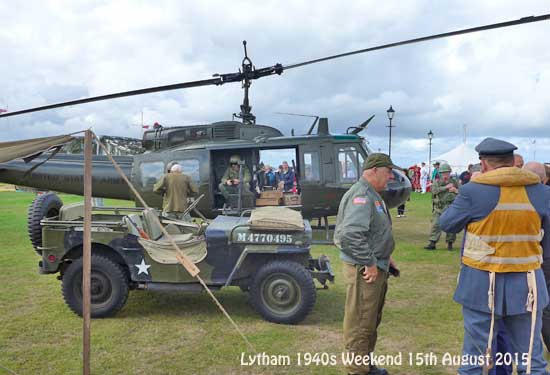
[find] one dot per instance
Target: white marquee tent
(459, 157)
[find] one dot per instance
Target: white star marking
(142, 267)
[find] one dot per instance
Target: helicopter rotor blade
(184, 85)
(220, 79)
(520, 21)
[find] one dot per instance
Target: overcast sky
(497, 83)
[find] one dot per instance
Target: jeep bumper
(321, 270)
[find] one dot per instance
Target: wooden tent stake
(87, 251)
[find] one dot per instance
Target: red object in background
(145, 126)
(156, 125)
(2, 110)
(413, 173)
(294, 186)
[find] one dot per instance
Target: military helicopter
(326, 165)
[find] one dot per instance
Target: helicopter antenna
(302, 115)
(249, 72)
(360, 128)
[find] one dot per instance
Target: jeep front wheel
(108, 288)
(283, 292)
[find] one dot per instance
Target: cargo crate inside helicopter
(269, 177)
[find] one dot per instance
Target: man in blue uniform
(503, 211)
(286, 177)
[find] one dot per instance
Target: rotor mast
(247, 73)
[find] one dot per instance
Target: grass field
(186, 333)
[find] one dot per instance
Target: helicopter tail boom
(64, 173)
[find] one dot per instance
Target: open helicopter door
(220, 163)
(312, 180)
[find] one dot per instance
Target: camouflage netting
(29, 147)
(276, 218)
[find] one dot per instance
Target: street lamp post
(430, 137)
(391, 113)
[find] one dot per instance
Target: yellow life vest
(508, 239)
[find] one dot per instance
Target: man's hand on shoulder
(452, 188)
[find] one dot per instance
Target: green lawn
(186, 333)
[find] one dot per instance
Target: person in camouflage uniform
(230, 180)
(444, 192)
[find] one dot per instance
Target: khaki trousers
(435, 232)
(363, 313)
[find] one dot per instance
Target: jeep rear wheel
(109, 287)
(43, 206)
(283, 292)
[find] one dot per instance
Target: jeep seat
(130, 220)
(72, 211)
(152, 225)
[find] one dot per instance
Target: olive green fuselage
(326, 165)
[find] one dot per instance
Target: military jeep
(261, 254)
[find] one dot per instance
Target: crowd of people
(504, 211)
(175, 186)
(283, 178)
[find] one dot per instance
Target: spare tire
(43, 206)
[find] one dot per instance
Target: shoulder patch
(379, 206)
(360, 200)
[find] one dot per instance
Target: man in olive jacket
(175, 187)
(364, 236)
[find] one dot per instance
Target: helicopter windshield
(350, 161)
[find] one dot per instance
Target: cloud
(496, 81)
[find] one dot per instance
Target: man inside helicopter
(230, 181)
(286, 177)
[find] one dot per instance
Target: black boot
(377, 371)
(430, 246)
(449, 245)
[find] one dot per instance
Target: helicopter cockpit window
(360, 160)
(191, 168)
(349, 163)
(311, 166)
(151, 172)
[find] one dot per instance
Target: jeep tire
(283, 292)
(109, 286)
(45, 205)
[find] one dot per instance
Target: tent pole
(86, 272)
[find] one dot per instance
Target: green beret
(378, 160)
